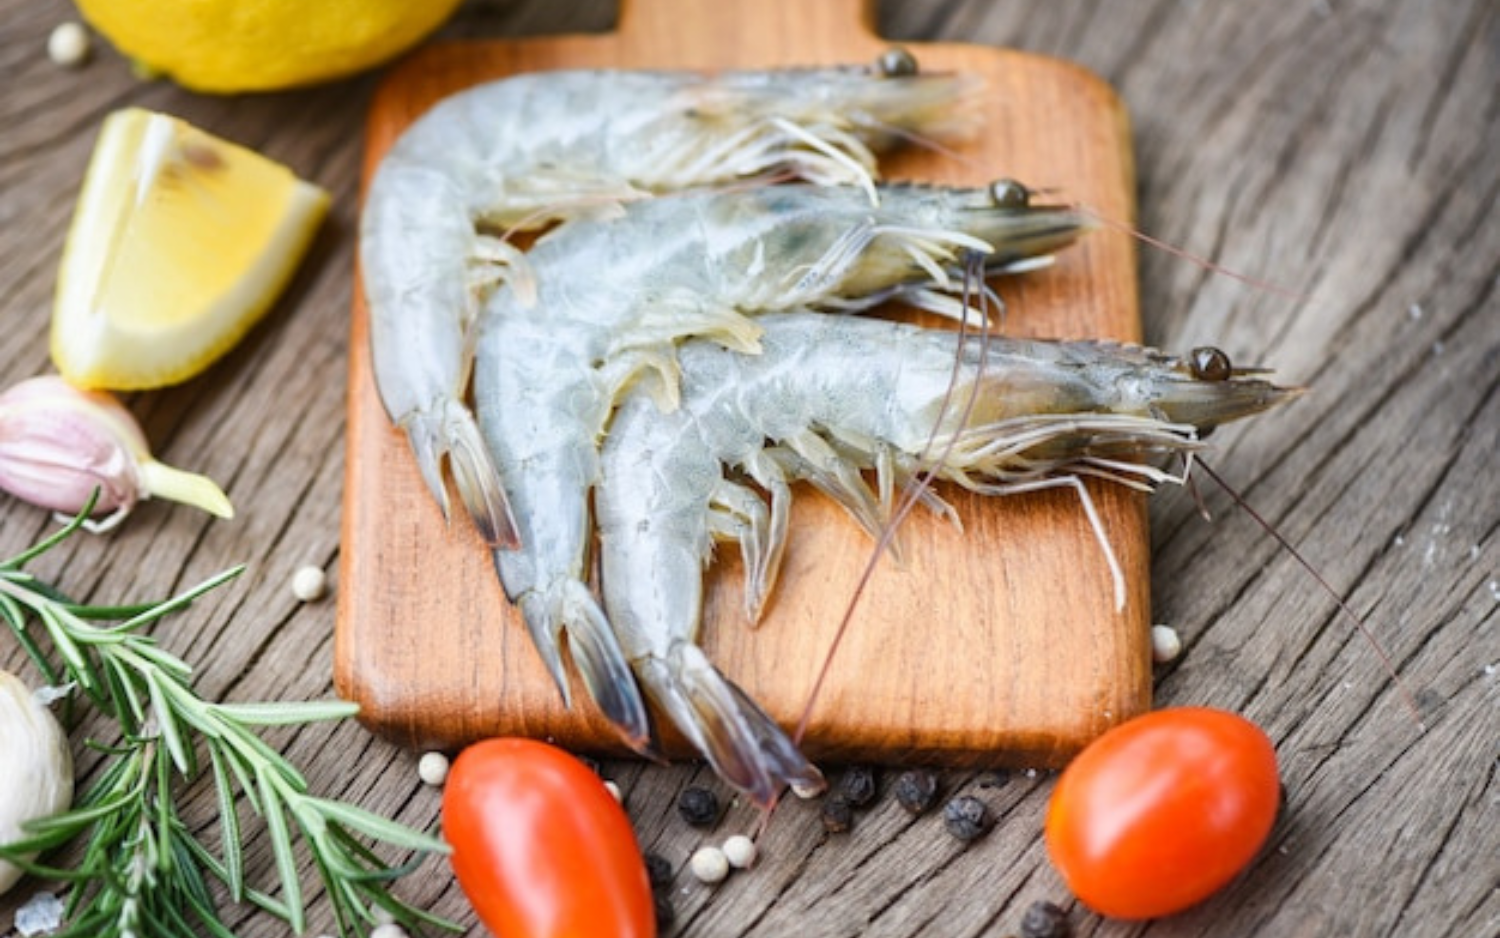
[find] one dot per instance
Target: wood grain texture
(998, 644)
(1344, 149)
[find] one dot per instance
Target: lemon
(257, 45)
(179, 243)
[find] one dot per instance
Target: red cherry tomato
(1162, 811)
(540, 846)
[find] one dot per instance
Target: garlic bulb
(37, 765)
(59, 444)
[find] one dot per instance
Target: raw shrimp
(831, 397)
(614, 298)
(536, 148)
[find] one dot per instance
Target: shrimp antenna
(1359, 623)
(1201, 261)
(932, 145)
(975, 294)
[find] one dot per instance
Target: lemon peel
(225, 46)
(180, 243)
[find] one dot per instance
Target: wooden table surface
(1343, 149)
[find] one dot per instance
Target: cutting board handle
(654, 23)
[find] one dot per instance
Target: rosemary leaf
(253, 750)
(241, 769)
(123, 698)
(229, 828)
(47, 543)
(281, 847)
(181, 600)
(373, 825)
(166, 724)
(255, 897)
(149, 658)
(48, 832)
(286, 713)
(63, 640)
(33, 651)
(103, 613)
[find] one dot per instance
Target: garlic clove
(38, 765)
(58, 444)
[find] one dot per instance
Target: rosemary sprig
(144, 871)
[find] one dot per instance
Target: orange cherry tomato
(1162, 811)
(540, 846)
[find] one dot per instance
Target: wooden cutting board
(998, 645)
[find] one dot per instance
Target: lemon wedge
(180, 242)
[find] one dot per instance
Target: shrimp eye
(1007, 193)
(896, 63)
(1210, 364)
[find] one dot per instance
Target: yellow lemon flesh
(257, 45)
(180, 243)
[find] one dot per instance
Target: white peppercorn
(1166, 645)
(432, 768)
(709, 865)
(309, 583)
(740, 851)
(69, 44)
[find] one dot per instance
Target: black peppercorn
(838, 814)
(658, 870)
(858, 785)
(1043, 919)
(916, 790)
(698, 806)
(966, 817)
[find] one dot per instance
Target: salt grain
(42, 914)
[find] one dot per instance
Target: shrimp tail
(743, 744)
(452, 434)
(568, 607)
(478, 482)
